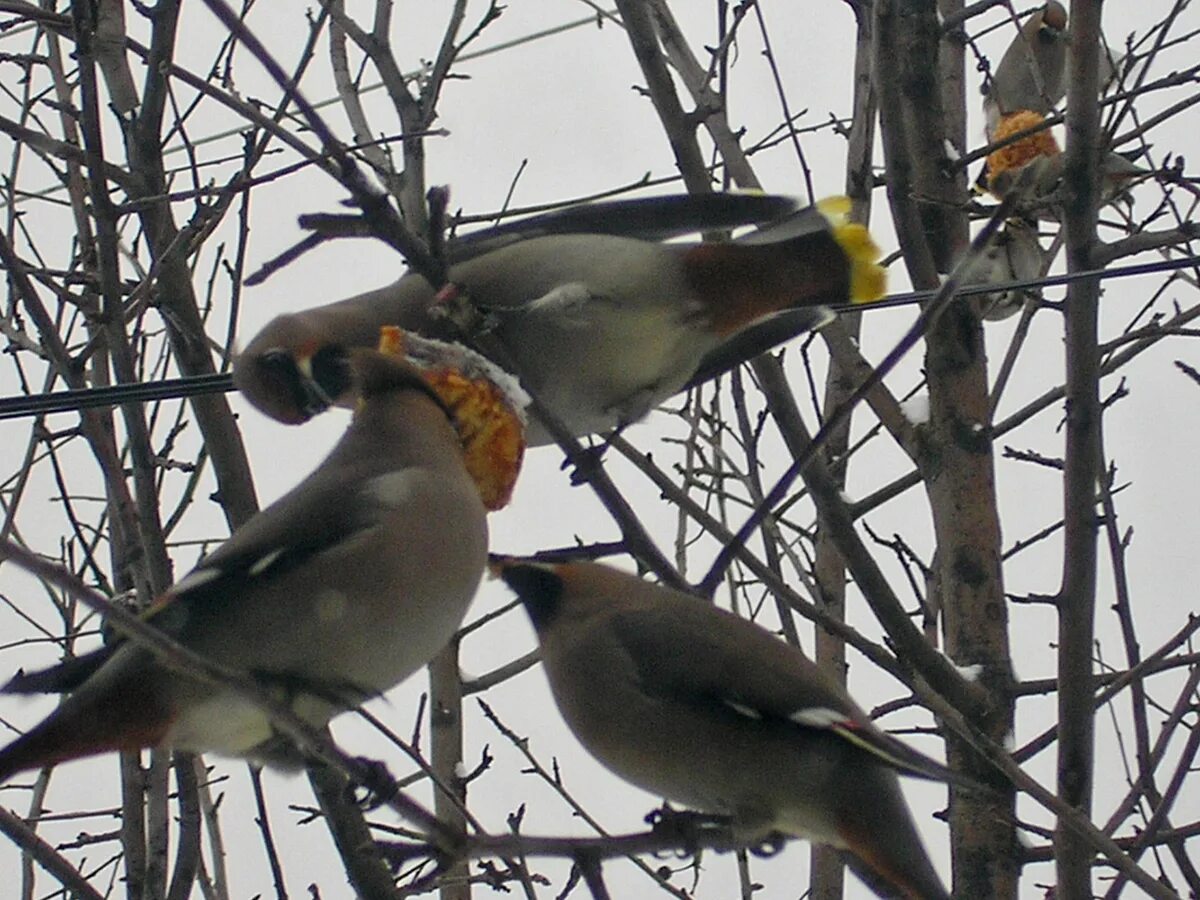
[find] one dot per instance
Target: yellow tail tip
(868, 279)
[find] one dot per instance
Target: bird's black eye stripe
(539, 589)
(278, 361)
(331, 370)
(278, 367)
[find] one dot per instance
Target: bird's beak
(310, 398)
(319, 378)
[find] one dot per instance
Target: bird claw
(586, 464)
(455, 305)
(769, 846)
(685, 827)
(376, 788)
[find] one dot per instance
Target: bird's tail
(896, 883)
(778, 282)
(885, 851)
(868, 279)
(86, 724)
(61, 678)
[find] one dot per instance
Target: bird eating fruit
(335, 593)
(602, 320)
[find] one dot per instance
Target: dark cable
(113, 395)
(174, 388)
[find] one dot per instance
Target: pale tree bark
(922, 113)
(1077, 594)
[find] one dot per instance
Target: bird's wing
(299, 526)
(758, 338)
(684, 651)
(646, 218)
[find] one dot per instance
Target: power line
(1150, 268)
(114, 395)
(176, 388)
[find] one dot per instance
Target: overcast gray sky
(562, 112)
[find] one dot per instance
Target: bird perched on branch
(1015, 255)
(1025, 88)
(707, 709)
(335, 593)
(602, 320)
(1032, 73)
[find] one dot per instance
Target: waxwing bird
(1015, 255)
(707, 709)
(1118, 174)
(1025, 88)
(335, 593)
(603, 321)
(1032, 73)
